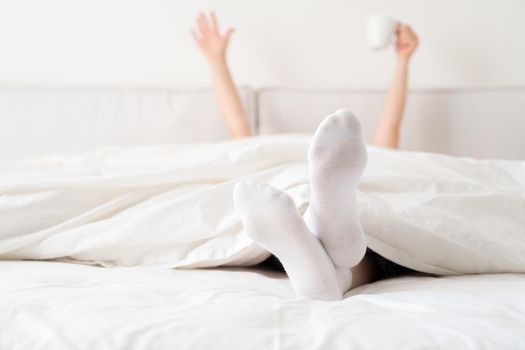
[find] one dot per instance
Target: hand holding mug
(406, 42)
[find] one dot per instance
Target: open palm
(211, 42)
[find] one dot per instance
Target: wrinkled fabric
(48, 305)
(171, 205)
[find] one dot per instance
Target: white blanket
(171, 206)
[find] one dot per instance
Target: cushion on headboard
(36, 121)
(482, 123)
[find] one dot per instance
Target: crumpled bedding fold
(171, 205)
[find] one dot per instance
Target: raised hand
(387, 132)
(213, 45)
(208, 37)
(406, 42)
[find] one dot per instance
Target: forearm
(228, 99)
(387, 133)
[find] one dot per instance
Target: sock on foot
(270, 218)
(337, 158)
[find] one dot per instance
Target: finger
(203, 24)
(403, 29)
(405, 33)
(402, 32)
(410, 33)
(400, 36)
(414, 37)
(201, 20)
(229, 32)
(196, 36)
(398, 28)
(215, 23)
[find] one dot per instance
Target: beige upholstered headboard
(483, 123)
(42, 120)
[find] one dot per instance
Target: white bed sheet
(51, 305)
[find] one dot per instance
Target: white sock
(345, 278)
(337, 158)
(270, 218)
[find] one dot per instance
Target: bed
(47, 305)
(79, 284)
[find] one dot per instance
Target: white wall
(314, 43)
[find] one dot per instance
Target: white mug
(380, 31)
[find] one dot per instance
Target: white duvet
(171, 206)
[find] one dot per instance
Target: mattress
(54, 305)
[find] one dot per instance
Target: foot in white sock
(337, 158)
(270, 218)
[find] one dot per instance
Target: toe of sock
(241, 191)
(347, 120)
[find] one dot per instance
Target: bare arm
(387, 132)
(213, 45)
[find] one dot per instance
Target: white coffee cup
(380, 31)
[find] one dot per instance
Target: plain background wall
(306, 43)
